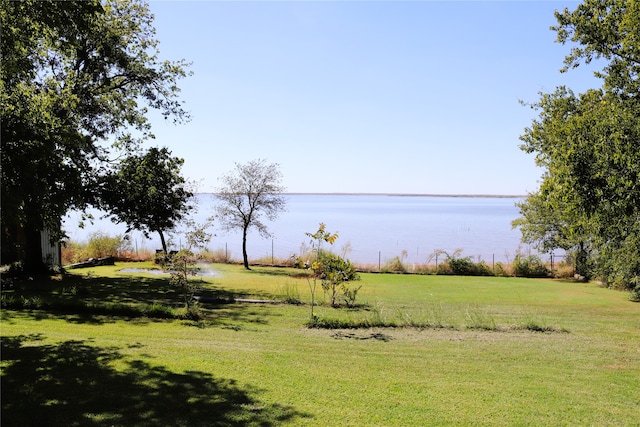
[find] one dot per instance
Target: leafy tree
(589, 144)
(247, 193)
(76, 80)
(321, 235)
(335, 272)
(529, 266)
(184, 264)
(147, 192)
(547, 226)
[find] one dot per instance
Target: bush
(192, 312)
(350, 295)
(299, 262)
(334, 272)
(464, 267)
(394, 265)
(530, 266)
(500, 270)
(99, 245)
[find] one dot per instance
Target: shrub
(463, 266)
(530, 266)
(334, 272)
(350, 294)
(72, 252)
(564, 270)
(193, 312)
(212, 256)
(99, 245)
(181, 266)
(394, 265)
(466, 267)
(500, 270)
(298, 262)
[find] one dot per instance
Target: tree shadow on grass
(120, 290)
(97, 300)
(75, 384)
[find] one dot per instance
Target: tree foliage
(184, 264)
(77, 79)
(248, 193)
(335, 272)
(589, 146)
(321, 235)
(147, 192)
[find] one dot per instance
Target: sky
(414, 97)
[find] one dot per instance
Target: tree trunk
(244, 248)
(162, 241)
(33, 249)
(582, 265)
(9, 253)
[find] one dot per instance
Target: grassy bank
(463, 351)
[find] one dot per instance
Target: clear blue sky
(375, 97)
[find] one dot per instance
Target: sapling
(184, 263)
(322, 235)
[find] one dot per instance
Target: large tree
(548, 223)
(246, 194)
(147, 192)
(77, 79)
(589, 144)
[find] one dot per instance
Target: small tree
(147, 192)
(184, 263)
(335, 272)
(247, 193)
(322, 235)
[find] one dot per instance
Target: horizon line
(333, 193)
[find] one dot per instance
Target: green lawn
(473, 357)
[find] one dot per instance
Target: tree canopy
(246, 194)
(589, 146)
(77, 79)
(147, 192)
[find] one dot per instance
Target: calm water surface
(372, 228)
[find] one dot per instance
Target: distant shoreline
(477, 196)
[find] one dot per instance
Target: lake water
(372, 228)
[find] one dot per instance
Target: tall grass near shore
(100, 244)
(458, 353)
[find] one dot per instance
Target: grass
(418, 350)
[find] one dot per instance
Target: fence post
(379, 265)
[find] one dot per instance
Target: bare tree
(248, 193)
